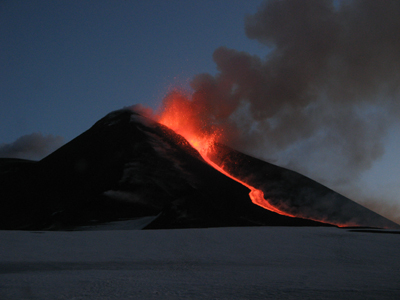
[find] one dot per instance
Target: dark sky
(65, 64)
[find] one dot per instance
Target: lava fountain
(186, 118)
(198, 118)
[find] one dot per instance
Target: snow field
(215, 263)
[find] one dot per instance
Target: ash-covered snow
(136, 118)
(134, 224)
(221, 263)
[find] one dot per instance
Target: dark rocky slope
(125, 167)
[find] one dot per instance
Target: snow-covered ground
(219, 263)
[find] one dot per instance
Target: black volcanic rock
(125, 167)
(297, 194)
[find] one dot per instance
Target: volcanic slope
(128, 167)
(297, 194)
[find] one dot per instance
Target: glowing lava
(181, 115)
(195, 118)
(256, 195)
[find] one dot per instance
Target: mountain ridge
(127, 166)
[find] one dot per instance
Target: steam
(324, 95)
(381, 203)
(31, 146)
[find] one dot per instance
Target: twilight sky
(66, 64)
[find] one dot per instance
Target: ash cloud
(33, 146)
(322, 98)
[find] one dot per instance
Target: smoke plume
(324, 95)
(31, 146)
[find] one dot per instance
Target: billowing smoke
(323, 96)
(381, 203)
(321, 100)
(31, 146)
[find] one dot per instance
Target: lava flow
(184, 118)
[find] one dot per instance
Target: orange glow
(180, 115)
(189, 118)
(256, 195)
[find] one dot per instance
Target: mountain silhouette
(128, 167)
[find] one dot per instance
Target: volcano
(130, 167)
